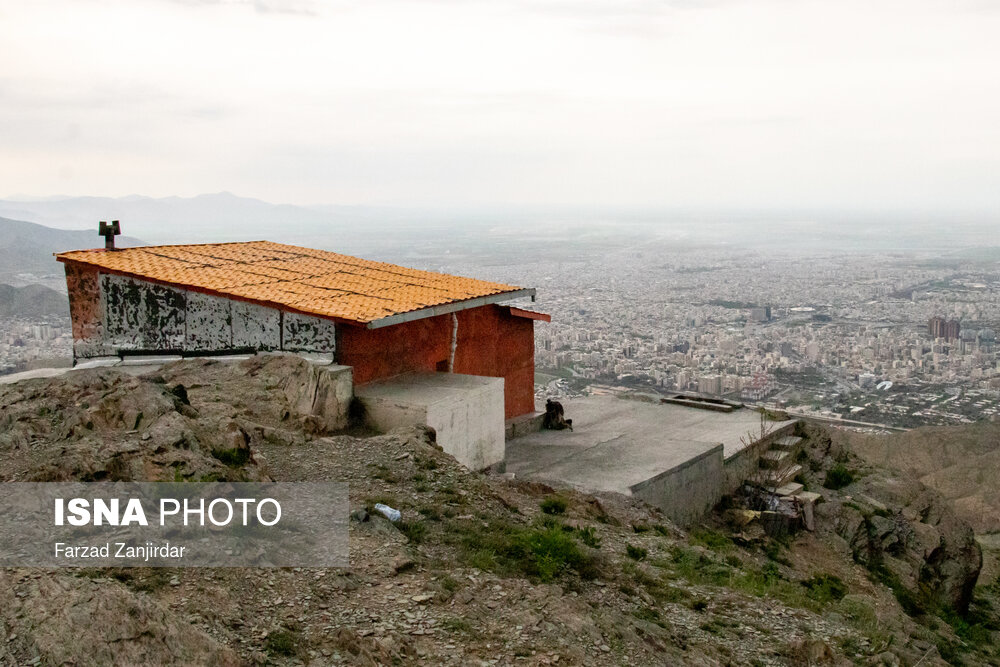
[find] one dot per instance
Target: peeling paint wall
(209, 322)
(255, 327)
(302, 333)
(142, 316)
(112, 314)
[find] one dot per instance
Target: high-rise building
(938, 327)
(710, 384)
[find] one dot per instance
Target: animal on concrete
(555, 417)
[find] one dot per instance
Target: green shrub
(543, 552)
(415, 531)
(838, 477)
(554, 505)
(713, 539)
(282, 642)
(825, 588)
(635, 553)
(234, 458)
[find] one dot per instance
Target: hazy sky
(770, 103)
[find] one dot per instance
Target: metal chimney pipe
(109, 232)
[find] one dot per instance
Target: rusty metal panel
(302, 333)
(209, 322)
(142, 316)
(255, 326)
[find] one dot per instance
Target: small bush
(713, 539)
(773, 551)
(415, 531)
(234, 458)
(430, 512)
(635, 553)
(543, 552)
(554, 505)
(426, 463)
(838, 477)
(825, 588)
(282, 642)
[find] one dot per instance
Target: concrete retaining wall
(688, 491)
(466, 411)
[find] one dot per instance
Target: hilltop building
(381, 320)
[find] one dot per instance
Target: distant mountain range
(202, 219)
(27, 248)
(31, 301)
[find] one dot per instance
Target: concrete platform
(466, 411)
(669, 455)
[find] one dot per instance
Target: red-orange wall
(84, 301)
(491, 342)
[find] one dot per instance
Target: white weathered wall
(139, 315)
(466, 412)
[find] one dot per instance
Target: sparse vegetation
(838, 477)
(589, 537)
(635, 552)
(236, 457)
(713, 539)
(283, 643)
(543, 551)
(415, 531)
(825, 588)
(554, 505)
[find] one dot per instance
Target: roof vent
(109, 232)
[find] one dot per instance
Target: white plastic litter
(388, 512)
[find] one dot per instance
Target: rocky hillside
(32, 302)
(481, 570)
(959, 462)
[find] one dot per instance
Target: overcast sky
(770, 103)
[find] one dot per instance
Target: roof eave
(446, 308)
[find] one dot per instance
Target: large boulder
(909, 536)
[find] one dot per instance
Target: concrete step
(786, 442)
(809, 496)
(773, 459)
(790, 489)
(783, 475)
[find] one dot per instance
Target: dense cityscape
(845, 336)
(38, 342)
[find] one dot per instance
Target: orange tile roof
(310, 281)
